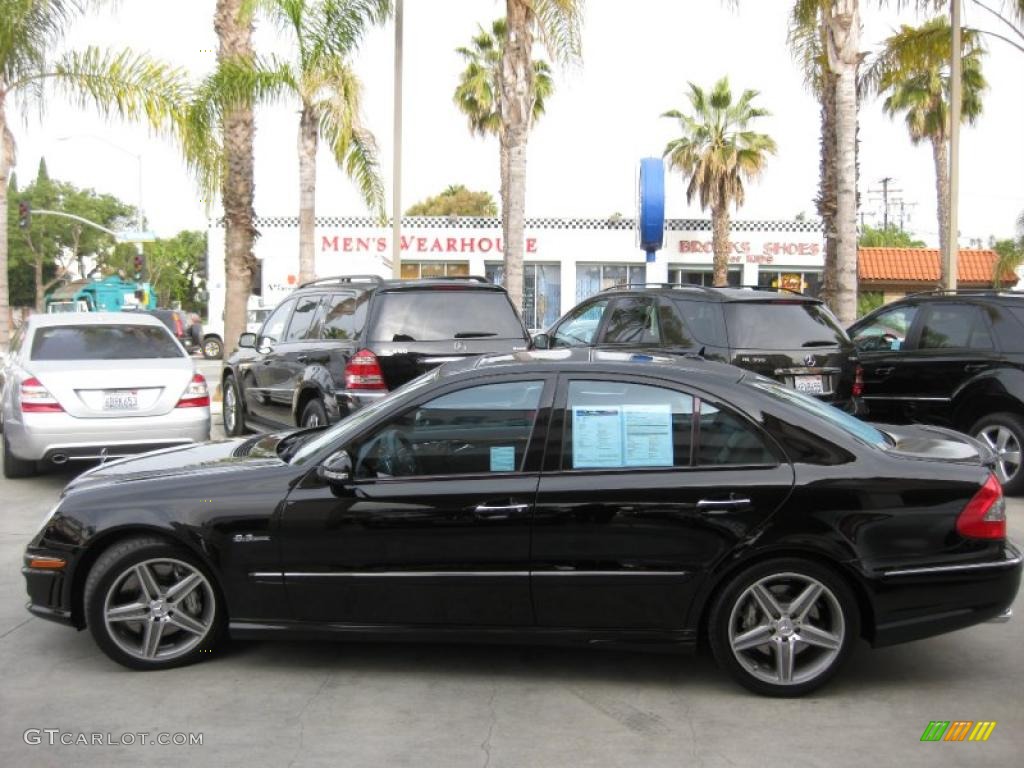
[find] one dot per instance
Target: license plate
(121, 401)
(812, 385)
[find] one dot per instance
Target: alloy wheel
(230, 406)
(786, 629)
(1005, 445)
(159, 610)
(312, 420)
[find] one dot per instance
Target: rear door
(646, 486)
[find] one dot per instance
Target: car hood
(919, 441)
(188, 461)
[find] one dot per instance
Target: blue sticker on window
(503, 458)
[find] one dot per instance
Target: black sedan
(570, 496)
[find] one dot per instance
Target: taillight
(179, 329)
(858, 381)
(363, 371)
(984, 517)
(35, 398)
(197, 395)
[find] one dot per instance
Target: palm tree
(326, 33)
(718, 151)
(125, 84)
(557, 23)
(478, 93)
(913, 72)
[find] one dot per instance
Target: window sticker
(647, 435)
(596, 436)
(503, 458)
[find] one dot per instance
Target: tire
(15, 467)
(164, 628)
(738, 611)
(233, 412)
(213, 348)
(1004, 433)
(314, 414)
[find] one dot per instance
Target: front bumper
(914, 603)
(47, 589)
(61, 437)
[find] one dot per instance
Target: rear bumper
(353, 399)
(915, 603)
(44, 436)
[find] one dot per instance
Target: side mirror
(542, 341)
(247, 341)
(336, 468)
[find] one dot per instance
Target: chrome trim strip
(610, 573)
(1002, 618)
(908, 398)
(1008, 562)
(439, 360)
(455, 574)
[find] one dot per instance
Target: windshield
(103, 342)
(317, 441)
(849, 424)
(782, 325)
(442, 315)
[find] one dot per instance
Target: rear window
(103, 342)
(849, 424)
(444, 314)
(782, 325)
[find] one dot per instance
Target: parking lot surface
(266, 703)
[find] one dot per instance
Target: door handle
(719, 506)
(884, 371)
(499, 512)
(975, 367)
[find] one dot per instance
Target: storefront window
(691, 276)
(593, 278)
(542, 291)
(413, 270)
(808, 283)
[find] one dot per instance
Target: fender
(317, 377)
(1005, 382)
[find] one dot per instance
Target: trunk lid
(920, 441)
(827, 372)
(402, 362)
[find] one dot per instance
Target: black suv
(339, 343)
(954, 359)
(788, 336)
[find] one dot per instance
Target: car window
(782, 324)
(273, 328)
(812, 405)
(887, 332)
(346, 316)
(955, 326)
(580, 327)
(302, 318)
(104, 342)
(724, 437)
(478, 430)
(613, 424)
(444, 314)
(670, 327)
(632, 321)
(704, 319)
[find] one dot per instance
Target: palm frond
(559, 26)
(29, 32)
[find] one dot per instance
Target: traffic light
(24, 215)
(138, 266)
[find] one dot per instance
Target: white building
(566, 260)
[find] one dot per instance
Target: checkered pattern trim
(474, 222)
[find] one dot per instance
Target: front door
(260, 374)
(882, 346)
(645, 487)
(435, 526)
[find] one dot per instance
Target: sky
(604, 116)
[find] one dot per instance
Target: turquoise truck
(108, 294)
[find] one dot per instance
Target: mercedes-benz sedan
(601, 498)
(87, 386)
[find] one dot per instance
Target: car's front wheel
(1004, 434)
(783, 627)
(151, 605)
(212, 348)
(234, 414)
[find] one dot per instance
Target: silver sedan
(92, 386)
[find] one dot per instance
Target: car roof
(599, 361)
(710, 293)
(42, 320)
(377, 283)
(982, 294)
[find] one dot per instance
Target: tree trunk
(309, 132)
(940, 152)
(6, 163)
(37, 269)
(826, 200)
(720, 244)
(516, 107)
(844, 59)
(235, 41)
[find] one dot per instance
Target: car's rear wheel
(212, 348)
(152, 605)
(15, 467)
(314, 414)
(234, 414)
(1004, 434)
(784, 627)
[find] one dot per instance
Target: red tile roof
(921, 265)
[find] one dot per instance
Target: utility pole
(949, 259)
(396, 182)
(885, 203)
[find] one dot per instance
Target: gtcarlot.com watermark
(55, 737)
